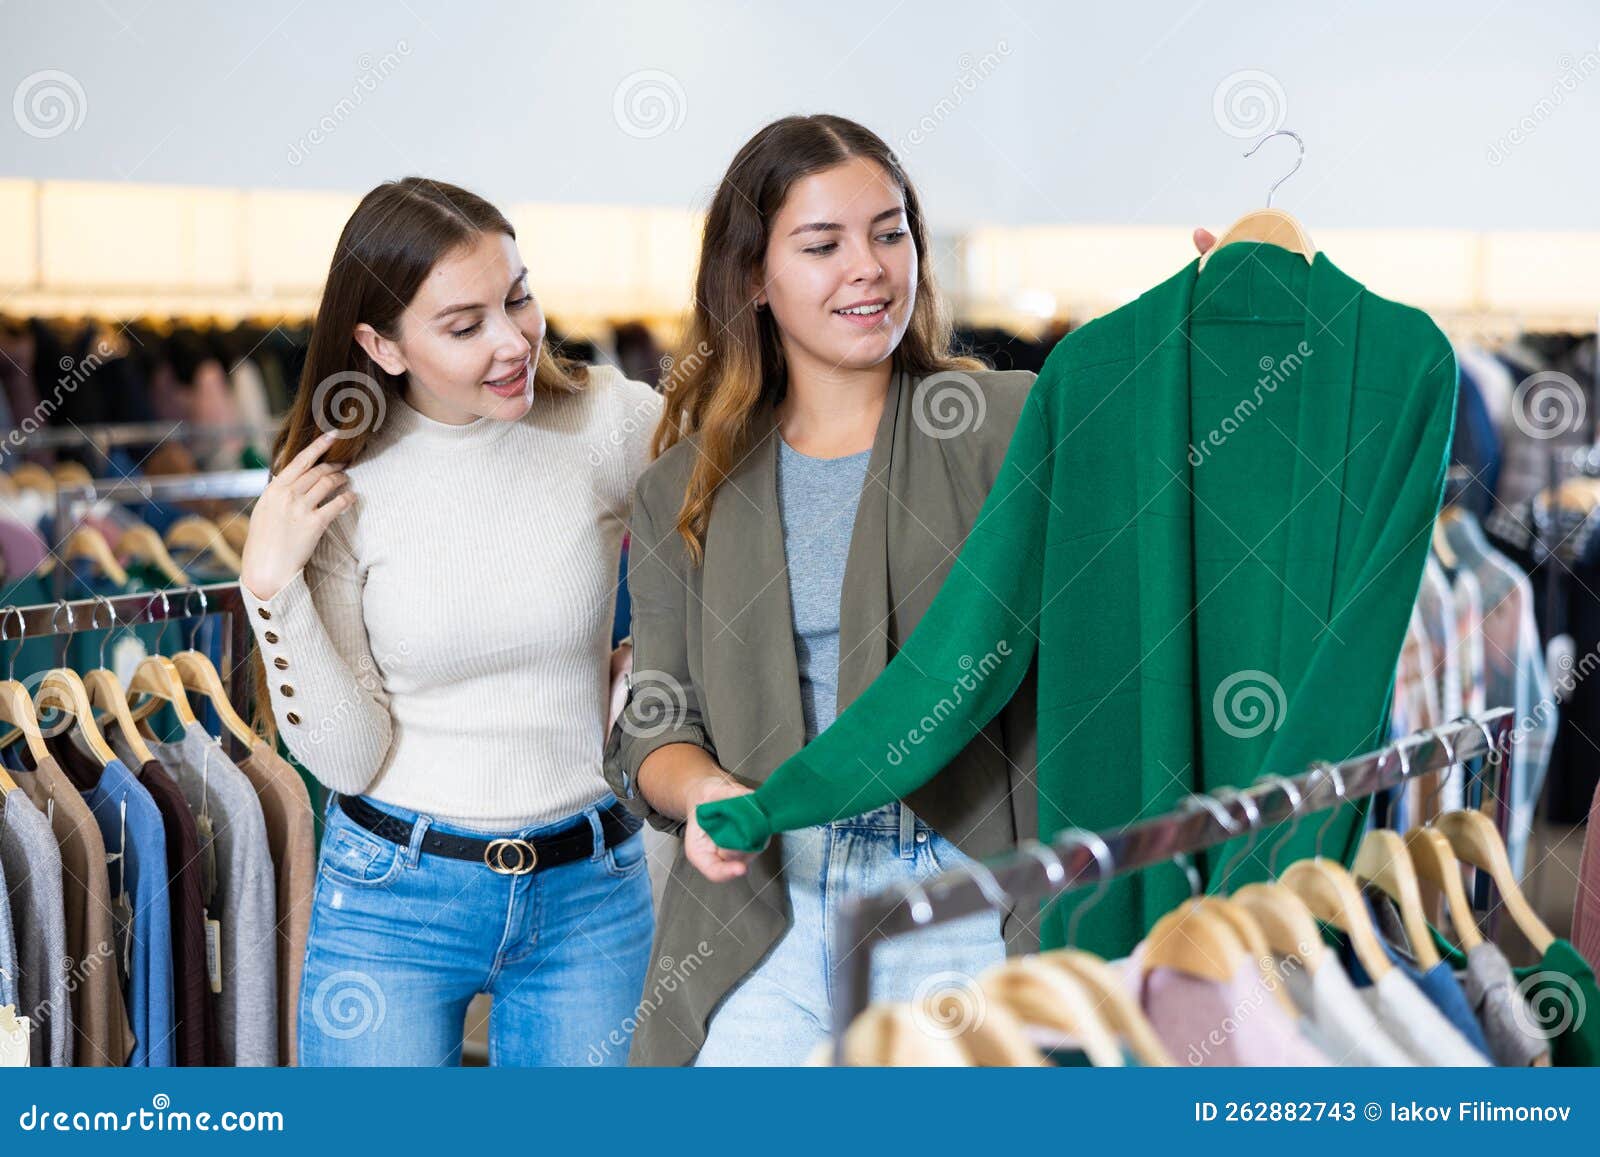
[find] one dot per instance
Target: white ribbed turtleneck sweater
(446, 647)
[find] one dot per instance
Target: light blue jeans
(401, 941)
(782, 1010)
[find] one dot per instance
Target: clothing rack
(68, 617)
(1039, 872)
(108, 434)
(179, 488)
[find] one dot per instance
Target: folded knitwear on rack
(1208, 532)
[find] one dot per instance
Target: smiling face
(469, 341)
(840, 273)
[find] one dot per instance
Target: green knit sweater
(1208, 532)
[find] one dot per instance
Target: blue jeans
(401, 941)
(782, 1010)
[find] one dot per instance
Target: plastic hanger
(199, 675)
(1330, 892)
(1269, 225)
(142, 543)
(204, 537)
(1437, 864)
(1476, 841)
(1383, 861)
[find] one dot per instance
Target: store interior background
(195, 161)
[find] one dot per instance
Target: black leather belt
(509, 857)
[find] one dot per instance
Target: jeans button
(922, 837)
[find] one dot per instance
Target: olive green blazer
(714, 664)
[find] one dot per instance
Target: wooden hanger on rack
(71, 474)
(1290, 929)
(86, 542)
(107, 694)
(1436, 863)
(63, 690)
(32, 476)
(1052, 998)
(1383, 861)
(142, 544)
(1333, 897)
(199, 675)
(235, 530)
(204, 537)
(1476, 841)
(157, 676)
(1269, 225)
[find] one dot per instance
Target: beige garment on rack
(291, 839)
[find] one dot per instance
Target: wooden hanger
(142, 543)
(1383, 861)
(8, 486)
(1269, 225)
(17, 709)
(1120, 1011)
(63, 689)
(1051, 998)
(1196, 942)
(1333, 897)
(892, 1035)
(32, 476)
(86, 542)
(157, 676)
(1476, 841)
(106, 692)
(235, 530)
(203, 536)
(1436, 863)
(199, 674)
(1290, 928)
(991, 1035)
(71, 474)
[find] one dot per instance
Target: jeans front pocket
(627, 858)
(352, 855)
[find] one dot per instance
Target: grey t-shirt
(817, 501)
(245, 901)
(31, 860)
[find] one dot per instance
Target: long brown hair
(395, 237)
(732, 365)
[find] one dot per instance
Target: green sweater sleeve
(959, 667)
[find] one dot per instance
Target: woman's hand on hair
(290, 517)
(716, 864)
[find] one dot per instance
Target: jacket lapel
(864, 604)
(748, 627)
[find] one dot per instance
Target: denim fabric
(400, 941)
(783, 1008)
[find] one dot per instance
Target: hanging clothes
(1159, 595)
(31, 862)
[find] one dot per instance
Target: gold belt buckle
(494, 855)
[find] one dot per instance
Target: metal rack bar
(1026, 877)
(71, 497)
(69, 617)
(109, 434)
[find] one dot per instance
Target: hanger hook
(1455, 761)
(1330, 771)
(66, 640)
(1252, 815)
(1105, 865)
(200, 619)
(166, 616)
(111, 623)
(1054, 870)
(921, 907)
(1218, 812)
(989, 884)
(1287, 786)
(1492, 758)
(22, 637)
(1299, 160)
